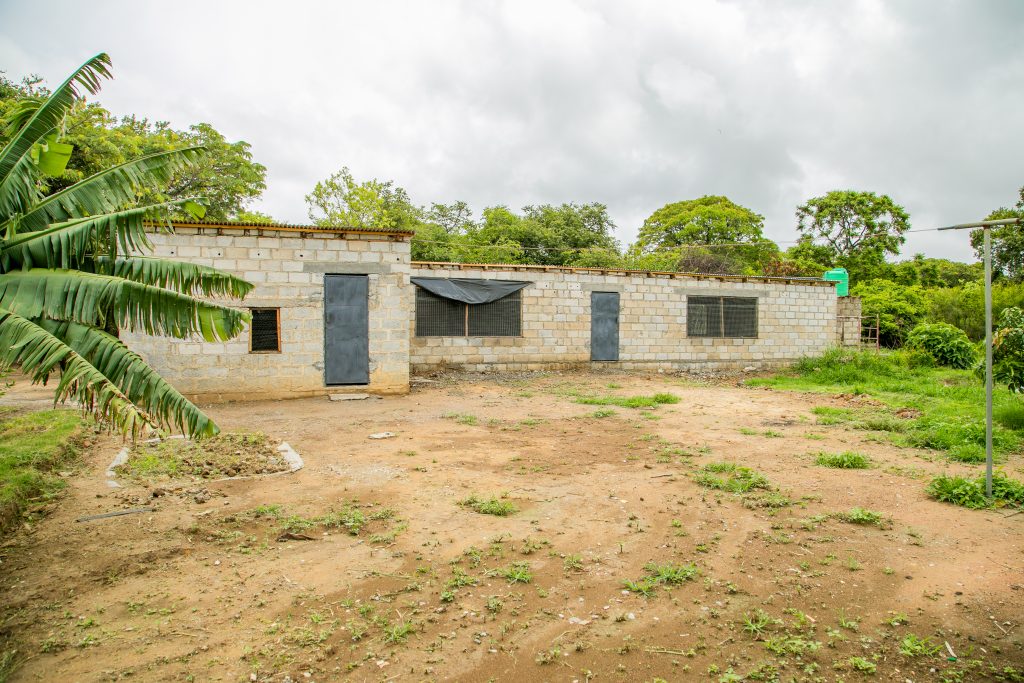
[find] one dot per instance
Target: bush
(970, 493)
(898, 307)
(1008, 350)
(847, 460)
(948, 345)
(964, 307)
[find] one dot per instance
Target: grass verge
(33, 447)
(947, 405)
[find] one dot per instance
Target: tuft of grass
(602, 412)
(33, 448)
(728, 476)
(859, 515)
(399, 632)
(913, 646)
(629, 401)
(517, 572)
(1010, 416)
(462, 418)
(970, 493)
(489, 506)
(847, 460)
(662, 575)
(968, 452)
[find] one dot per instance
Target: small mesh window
(437, 316)
(501, 318)
(721, 316)
(264, 329)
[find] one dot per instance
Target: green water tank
(842, 280)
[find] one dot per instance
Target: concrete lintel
(337, 268)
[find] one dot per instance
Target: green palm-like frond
(40, 353)
(186, 278)
(110, 190)
(71, 243)
(139, 382)
(17, 196)
(86, 298)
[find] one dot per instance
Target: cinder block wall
(288, 270)
(848, 324)
(794, 320)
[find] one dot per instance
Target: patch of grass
(602, 412)
(912, 646)
(517, 572)
(859, 515)
(398, 633)
(462, 418)
(662, 575)
(490, 506)
(728, 476)
(847, 460)
(968, 452)
(970, 493)
(862, 665)
(573, 563)
(792, 645)
(757, 623)
(33, 447)
(950, 402)
(629, 401)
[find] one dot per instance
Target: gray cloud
(631, 104)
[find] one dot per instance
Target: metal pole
(988, 362)
(987, 227)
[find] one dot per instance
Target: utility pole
(987, 227)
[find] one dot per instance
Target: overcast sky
(634, 105)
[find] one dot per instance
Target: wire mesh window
(437, 316)
(265, 331)
(721, 316)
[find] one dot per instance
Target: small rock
(382, 435)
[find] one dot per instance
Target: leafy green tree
(341, 200)
(253, 217)
(226, 177)
(964, 306)
(931, 272)
(899, 308)
(70, 267)
(946, 344)
(710, 234)
(857, 229)
(1007, 243)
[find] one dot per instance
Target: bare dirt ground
(431, 590)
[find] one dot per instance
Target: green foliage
(847, 460)
(951, 401)
(899, 308)
(662, 575)
(1007, 242)
(727, 476)
(948, 345)
(970, 493)
(913, 646)
(629, 401)
(931, 272)
(69, 273)
(32, 448)
(681, 229)
(490, 506)
(858, 229)
(964, 306)
(859, 515)
(1008, 350)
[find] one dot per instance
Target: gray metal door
(604, 326)
(346, 329)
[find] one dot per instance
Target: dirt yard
(364, 565)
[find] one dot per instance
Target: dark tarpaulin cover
(468, 290)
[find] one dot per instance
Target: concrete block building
(341, 309)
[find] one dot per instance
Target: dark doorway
(604, 326)
(346, 329)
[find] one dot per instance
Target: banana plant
(73, 267)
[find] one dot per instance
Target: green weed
(734, 478)
(847, 460)
(970, 493)
(912, 646)
(490, 506)
(630, 401)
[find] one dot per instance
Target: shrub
(948, 345)
(736, 479)
(898, 307)
(1008, 350)
(489, 506)
(970, 493)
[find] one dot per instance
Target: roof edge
(285, 227)
(622, 271)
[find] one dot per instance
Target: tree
(70, 267)
(342, 201)
(858, 229)
(709, 235)
(226, 177)
(1008, 350)
(1007, 243)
